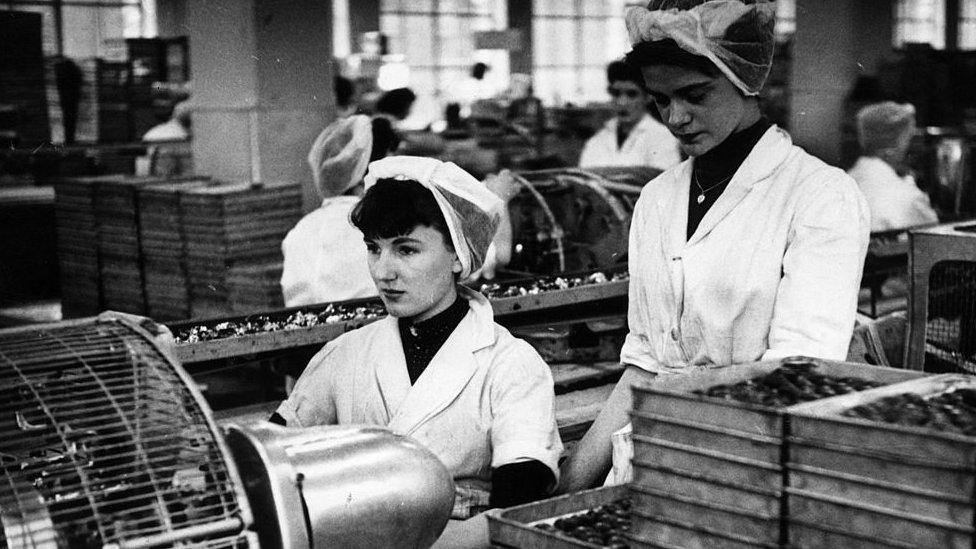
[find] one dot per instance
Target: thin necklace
(701, 197)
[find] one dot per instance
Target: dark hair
(385, 139)
(621, 71)
(395, 207)
(344, 90)
(396, 102)
(478, 70)
(667, 52)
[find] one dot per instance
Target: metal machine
(107, 443)
(569, 219)
(942, 306)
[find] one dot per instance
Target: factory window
(920, 21)
(967, 25)
(572, 42)
(436, 40)
(89, 28)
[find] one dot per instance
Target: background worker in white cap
(884, 131)
(324, 258)
(632, 137)
(751, 249)
(438, 369)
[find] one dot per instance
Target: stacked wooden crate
(855, 482)
(161, 241)
(120, 255)
(77, 247)
(231, 226)
(711, 472)
(255, 287)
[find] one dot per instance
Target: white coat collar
(448, 373)
(769, 153)
(645, 124)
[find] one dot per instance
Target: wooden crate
(649, 531)
(515, 527)
(724, 520)
(722, 453)
(881, 481)
(875, 523)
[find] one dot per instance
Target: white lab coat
(648, 144)
(773, 269)
(325, 257)
(895, 202)
(485, 400)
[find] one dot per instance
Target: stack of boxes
(713, 472)
(161, 239)
(232, 231)
(77, 236)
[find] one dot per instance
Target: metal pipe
(226, 526)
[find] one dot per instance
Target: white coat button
(674, 334)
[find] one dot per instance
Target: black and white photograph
(488, 274)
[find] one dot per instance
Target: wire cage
(105, 442)
(569, 219)
(942, 308)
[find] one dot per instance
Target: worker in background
(324, 257)
(438, 368)
(169, 153)
(465, 93)
(632, 137)
(884, 131)
(752, 249)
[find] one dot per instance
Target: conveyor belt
(530, 308)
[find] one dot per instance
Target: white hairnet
(471, 210)
(340, 154)
(885, 125)
(734, 35)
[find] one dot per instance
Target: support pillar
(262, 87)
(835, 41)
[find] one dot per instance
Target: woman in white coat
(438, 368)
(632, 137)
(324, 258)
(751, 249)
(885, 131)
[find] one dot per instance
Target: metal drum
(567, 219)
(341, 486)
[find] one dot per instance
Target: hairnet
(884, 125)
(340, 154)
(472, 212)
(735, 35)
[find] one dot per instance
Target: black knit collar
(437, 326)
(722, 161)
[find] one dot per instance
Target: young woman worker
(438, 368)
(751, 249)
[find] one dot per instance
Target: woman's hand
(464, 534)
(588, 465)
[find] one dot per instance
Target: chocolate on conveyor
(953, 412)
(547, 284)
(788, 385)
(331, 314)
(337, 312)
(604, 525)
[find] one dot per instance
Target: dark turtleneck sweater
(715, 169)
(422, 340)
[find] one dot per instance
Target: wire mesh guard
(103, 444)
(950, 332)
